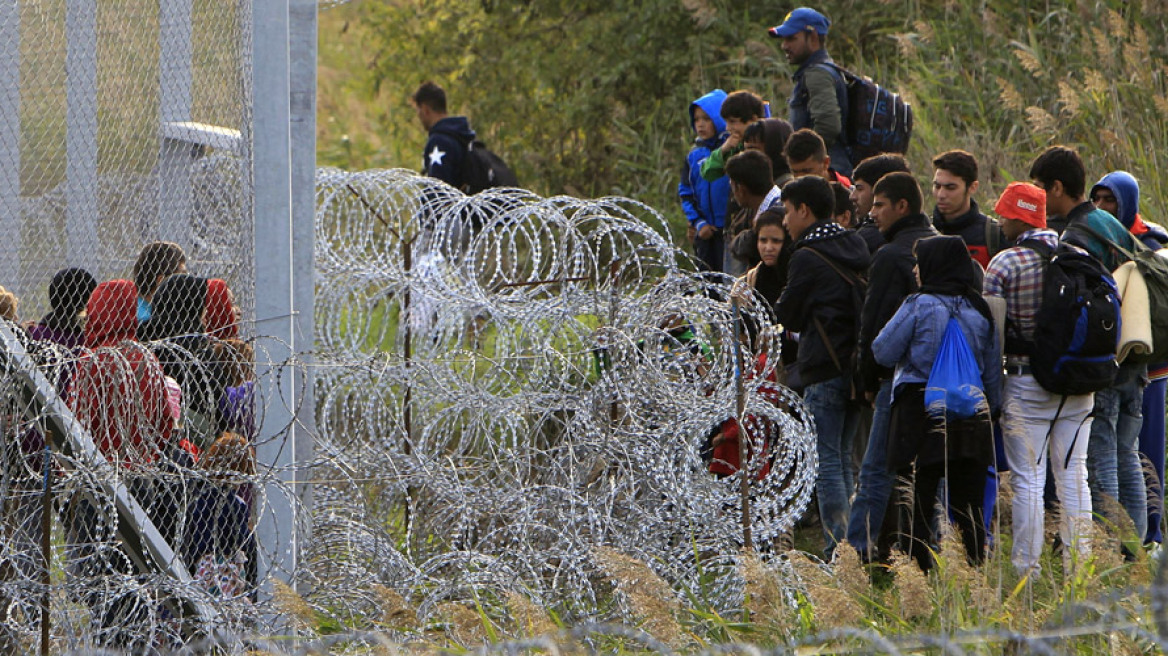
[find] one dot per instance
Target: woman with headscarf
(119, 391)
(179, 340)
(69, 291)
(119, 395)
(221, 316)
(925, 446)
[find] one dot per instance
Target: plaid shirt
(1016, 274)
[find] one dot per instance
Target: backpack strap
(852, 281)
(993, 237)
(1044, 250)
(851, 278)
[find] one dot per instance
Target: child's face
(703, 124)
(736, 126)
(755, 144)
(770, 244)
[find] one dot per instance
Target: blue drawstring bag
(954, 389)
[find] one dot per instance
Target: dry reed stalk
(849, 571)
(764, 593)
(395, 610)
(1029, 62)
(1009, 95)
(1041, 121)
(1069, 98)
(466, 625)
(912, 587)
(649, 596)
(293, 605)
(833, 606)
(531, 619)
(924, 31)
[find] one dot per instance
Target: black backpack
(1153, 269)
(878, 120)
(483, 169)
(1076, 330)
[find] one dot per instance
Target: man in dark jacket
(896, 210)
(864, 179)
(956, 213)
(819, 99)
(820, 302)
(450, 136)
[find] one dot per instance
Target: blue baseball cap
(799, 20)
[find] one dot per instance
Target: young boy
(704, 201)
(739, 110)
(820, 302)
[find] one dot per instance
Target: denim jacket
(910, 340)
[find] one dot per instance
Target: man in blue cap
(820, 98)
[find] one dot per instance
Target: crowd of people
(873, 294)
(155, 370)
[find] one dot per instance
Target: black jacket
(868, 231)
(890, 281)
(446, 148)
(814, 289)
(971, 227)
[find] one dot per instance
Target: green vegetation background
(590, 97)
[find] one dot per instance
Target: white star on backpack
(436, 156)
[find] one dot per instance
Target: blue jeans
(867, 515)
(1113, 461)
(835, 417)
(1152, 448)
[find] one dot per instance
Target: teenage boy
(819, 98)
(956, 213)
(704, 202)
(739, 110)
(1036, 424)
(1060, 172)
(806, 155)
(449, 135)
(864, 178)
(1118, 193)
(896, 211)
(820, 304)
(753, 189)
(1113, 460)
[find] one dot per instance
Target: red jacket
(725, 460)
(119, 390)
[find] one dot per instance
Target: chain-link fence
(129, 407)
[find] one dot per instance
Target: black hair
(1064, 165)
(743, 105)
(843, 199)
(430, 95)
(900, 186)
(958, 162)
(813, 192)
(773, 133)
(752, 170)
(803, 145)
(871, 169)
(769, 219)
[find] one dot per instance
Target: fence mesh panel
(125, 157)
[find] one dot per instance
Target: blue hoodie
(1127, 194)
(705, 202)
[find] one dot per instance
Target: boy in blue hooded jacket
(705, 202)
(1118, 192)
